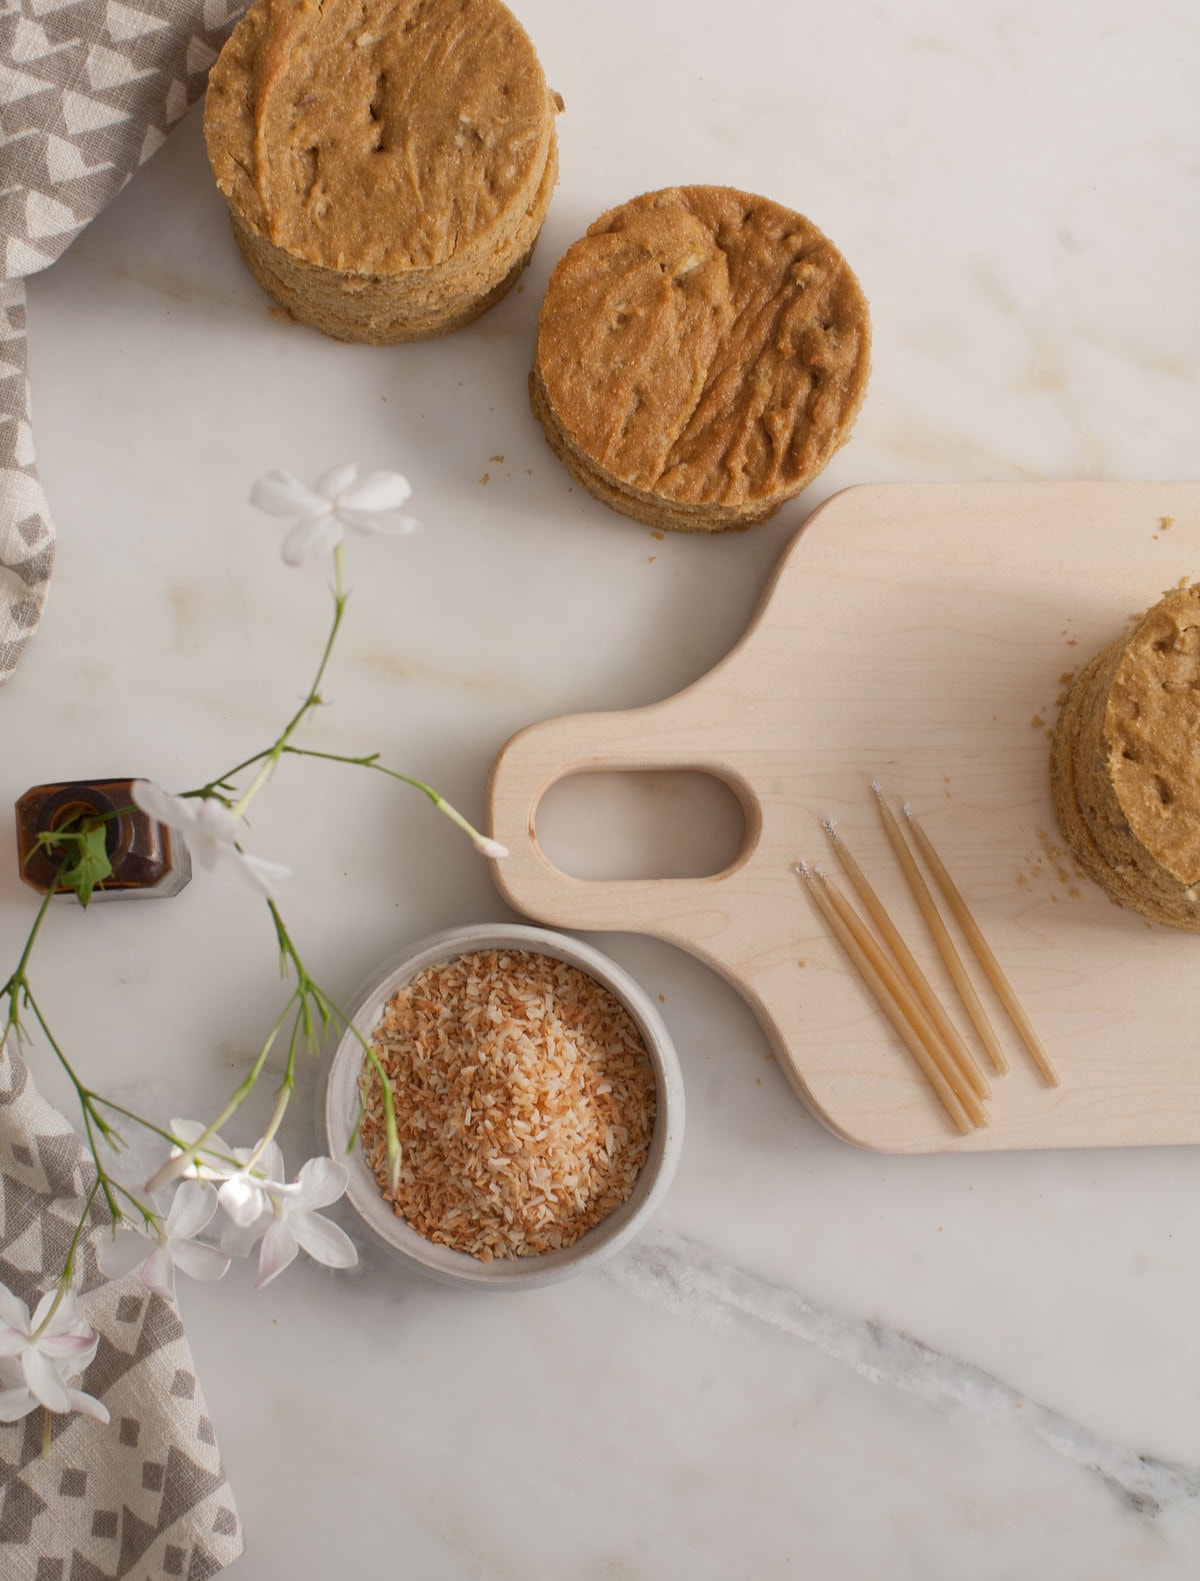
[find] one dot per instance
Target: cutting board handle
(641, 739)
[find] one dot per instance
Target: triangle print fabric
(89, 89)
(143, 1496)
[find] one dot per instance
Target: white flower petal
(321, 1181)
(157, 1273)
(44, 1378)
(65, 1319)
(241, 1199)
(192, 1130)
(378, 491)
(280, 493)
(206, 851)
(264, 875)
(12, 1341)
(199, 1261)
(277, 1252)
(73, 1366)
(87, 1405)
(215, 822)
(42, 1311)
(270, 1163)
(390, 526)
(322, 1239)
(17, 1403)
(207, 1167)
(334, 482)
(310, 538)
(13, 1311)
(64, 1347)
(120, 1253)
(174, 811)
(339, 499)
(240, 1240)
(192, 1209)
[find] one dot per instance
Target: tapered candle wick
(884, 996)
(941, 937)
(983, 951)
(959, 1055)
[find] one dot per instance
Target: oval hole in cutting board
(660, 823)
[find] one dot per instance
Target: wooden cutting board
(922, 635)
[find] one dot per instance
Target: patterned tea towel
(143, 1496)
(88, 90)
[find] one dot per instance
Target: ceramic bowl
(338, 1104)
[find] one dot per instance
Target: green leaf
(91, 865)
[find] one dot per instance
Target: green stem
(174, 1167)
(270, 756)
(64, 1279)
(93, 1121)
(385, 1091)
(371, 761)
(19, 980)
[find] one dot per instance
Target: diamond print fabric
(87, 93)
(144, 1496)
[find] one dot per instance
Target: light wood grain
(918, 634)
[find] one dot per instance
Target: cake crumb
(486, 478)
(1037, 722)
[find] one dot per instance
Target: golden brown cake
(387, 163)
(701, 354)
(1125, 764)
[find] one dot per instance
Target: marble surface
(818, 1360)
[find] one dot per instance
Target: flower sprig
(205, 1175)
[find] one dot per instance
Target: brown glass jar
(147, 858)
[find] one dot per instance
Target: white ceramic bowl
(338, 1105)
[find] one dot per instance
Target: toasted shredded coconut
(524, 1101)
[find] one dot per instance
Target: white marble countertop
(818, 1360)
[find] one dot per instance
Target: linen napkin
(144, 1496)
(88, 90)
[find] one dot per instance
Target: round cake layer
(1125, 765)
(385, 309)
(387, 163)
(701, 355)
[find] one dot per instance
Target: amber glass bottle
(147, 859)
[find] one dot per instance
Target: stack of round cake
(1125, 765)
(701, 355)
(387, 163)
